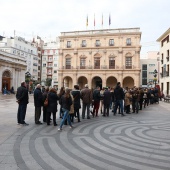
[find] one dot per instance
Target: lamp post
(155, 76)
(27, 78)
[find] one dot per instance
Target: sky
(48, 18)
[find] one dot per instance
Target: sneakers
(71, 127)
(60, 129)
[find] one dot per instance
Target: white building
(23, 49)
(148, 65)
(12, 70)
(50, 61)
(165, 61)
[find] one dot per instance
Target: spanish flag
(109, 20)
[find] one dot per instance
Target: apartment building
(148, 67)
(165, 61)
(39, 43)
(18, 46)
(50, 61)
(100, 58)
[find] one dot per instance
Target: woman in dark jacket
(45, 107)
(52, 105)
(76, 97)
(62, 91)
(65, 103)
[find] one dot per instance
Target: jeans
(66, 116)
(120, 104)
(21, 113)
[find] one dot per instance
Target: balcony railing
(102, 67)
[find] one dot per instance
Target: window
(144, 66)
(82, 63)
(111, 42)
(55, 65)
(34, 64)
(97, 63)
(44, 65)
(128, 62)
(128, 41)
(68, 44)
(111, 63)
(55, 71)
(97, 43)
(68, 63)
(83, 43)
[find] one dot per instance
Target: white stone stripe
(142, 135)
(57, 150)
(25, 152)
(92, 160)
(138, 145)
(119, 160)
(127, 150)
(45, 156)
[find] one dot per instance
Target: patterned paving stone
(134, 142)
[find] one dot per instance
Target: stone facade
(165, 61)
(100, 58)
(12, 70)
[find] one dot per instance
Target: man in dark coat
(119, 97)
(76, 97)
(96, 99)
(106, 101)
(86, 96)
(22, 99)
(38, 102)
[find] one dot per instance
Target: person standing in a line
(119, 97)
(52, 105)
(22, 99)
(46, 90)
(38, 102)
(106, 101)
(65, 102)
(86, 96)
(96, 99)
(77, 105)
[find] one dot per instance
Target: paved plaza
(134, 142)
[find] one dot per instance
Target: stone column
(1, 78)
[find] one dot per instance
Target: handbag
(46, 101)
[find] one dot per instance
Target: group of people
(118, 100)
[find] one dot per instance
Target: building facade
(18, 46)
(50, 62)
(12, 70)
(148, 66)
(165, 61)
(100, 58)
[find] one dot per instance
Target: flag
(94, 20)
(102, 19)
(109, 20)
(87, 21)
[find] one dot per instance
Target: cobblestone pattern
(134, 142)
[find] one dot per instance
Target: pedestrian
(38, 103)
(86, 96)
(65, 102)
(62, 91)
(119, 98)
(52, 105)
(76, 96)
(106, 101)
(22, 100)
(96, 101)
(46, 90)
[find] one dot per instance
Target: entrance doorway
(96, 81)
(6, 77)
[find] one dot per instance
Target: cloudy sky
(47, 18)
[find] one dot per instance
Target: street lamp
(155, 76)
(27, 78)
